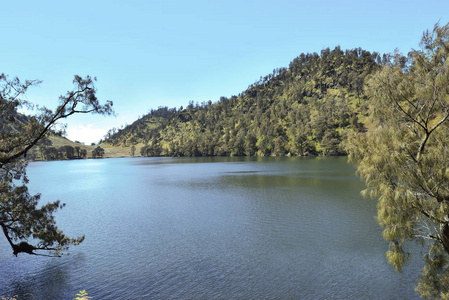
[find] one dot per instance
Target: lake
(209, 228)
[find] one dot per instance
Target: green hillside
(305, 109)
(54, 146)
(57, 147)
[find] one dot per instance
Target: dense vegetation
(306, 109)
(57, 147)
(404, 157)
(45, 150)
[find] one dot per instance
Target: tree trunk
(445, 236)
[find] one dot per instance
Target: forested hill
(303, 110)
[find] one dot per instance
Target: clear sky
(147, 53)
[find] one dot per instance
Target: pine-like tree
(404, 156)
(22, 219)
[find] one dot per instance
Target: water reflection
(226, 228)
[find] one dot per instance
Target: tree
(22, 219)
(68, 150)
(51, 153)
(404, 156)
(83, 153)
(98, 152)
(77, 150)
(133, 150)
(43, 144)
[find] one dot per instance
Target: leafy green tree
(83, 153)
(404, 156)
(22, 218)
(51, 153)
(43, 144)
(331, 143)
(68, 151)
(250, 144)
(77, 151)
(98, 152)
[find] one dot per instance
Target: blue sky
(147, 54)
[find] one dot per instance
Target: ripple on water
(209, 229)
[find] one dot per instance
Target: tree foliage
(404, 156)
(21, 217)
(45, 150)
(305, 109)
(98, 152)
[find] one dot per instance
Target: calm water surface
(209, 228)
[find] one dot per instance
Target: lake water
(209, 228)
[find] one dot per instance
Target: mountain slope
(303, 110)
